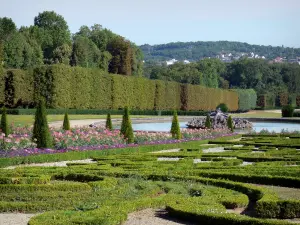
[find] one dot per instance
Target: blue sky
(264, 22)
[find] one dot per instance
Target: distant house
(171, 62)
(278, 60)
(186, 61)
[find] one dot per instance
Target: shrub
(175, 129)
(208, 122)
(66, 123)
(223, 107)
(4, 124)
(126, 127)
(287, 111)
(41, 134)
(108, 124)
(230, 123)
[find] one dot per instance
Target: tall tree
(85, 53)
(122, 54)
(55, 32)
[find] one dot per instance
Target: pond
(257, 126)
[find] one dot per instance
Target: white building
(171, 62)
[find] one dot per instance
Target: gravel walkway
(50, 164)
(152, 217)
(15, 218)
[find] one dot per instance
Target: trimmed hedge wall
(195, 97)
(82, 88)
(247, 99)
(16, 88)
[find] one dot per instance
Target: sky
(263, 22)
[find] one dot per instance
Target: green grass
(285, 193)
(257, 114)
(27, 120)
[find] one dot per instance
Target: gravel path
(152, 217)
(15, 218)
(167, 151)
(56, 164)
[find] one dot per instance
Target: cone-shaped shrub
(4, 124)
(66, 124)
(108, 124)
(126, 127)
(207, 122)
(41, 134)
(175, 129)
(230, 123)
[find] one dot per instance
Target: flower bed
(19, 143)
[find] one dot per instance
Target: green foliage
(287, 111)
(66, 123)
(55, 32)
(207, 122)
(175, 128)
(139, 92)
(202, 98)
(247, 99)
(41, 134)
(122, 54)
(126, 127)
(4, 124)
(60, 84)
(18, 88)
(223, 107)
(230, 123)
(108, 124)
(85, 53)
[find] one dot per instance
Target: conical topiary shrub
(41, 134)
(230, 123)
(66, 123)
(4, 124)
(108, 124)
(126, 127)
(175, 129)
(207, 122)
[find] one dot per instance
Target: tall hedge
(63, 86)
(134, 92)
(18, 87)
(204, 98)
(247, 99)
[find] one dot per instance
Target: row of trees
(205, 72)
(257, 74)
(50, 41)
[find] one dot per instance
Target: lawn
(24, 120)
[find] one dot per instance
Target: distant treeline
(265, 78)
(194, 51)
(49, 41)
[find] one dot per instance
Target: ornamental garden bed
(124, 180)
